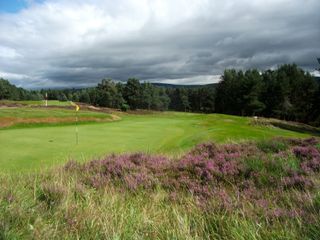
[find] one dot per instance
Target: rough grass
(33, 147)
(24, 117)
(293, 126)
(34, 103)
(232, 191)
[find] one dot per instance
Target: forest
(288, 93)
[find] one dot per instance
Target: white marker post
(46, 99)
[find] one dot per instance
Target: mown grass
(171, 133)
(66, 203)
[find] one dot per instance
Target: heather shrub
(72, 166)
(203, 167)
(311, 141)
(229, 191)
(208, 150)
(303, 142)
(206, 166)
(296, 180)
(130, 170)
(306, 152)
(309, 157)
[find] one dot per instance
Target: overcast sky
(67, 43)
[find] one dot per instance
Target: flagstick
(77, 109)
(76, 127)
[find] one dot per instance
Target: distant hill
(167, 85)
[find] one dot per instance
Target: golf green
(39, 147)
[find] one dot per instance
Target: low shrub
(124, 107)
(279, 162)
(229, 191)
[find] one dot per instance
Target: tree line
(287, 93)
(11, 92)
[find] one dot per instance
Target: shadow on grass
(292, 126)
(297, 127)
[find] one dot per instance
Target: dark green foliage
(199, 99)
(124, 107)
(133, 93)
(107, 94)
(153, 97)
(84, 97)
(287, 93)
(62, 97)
(239, 93)
(11, 92)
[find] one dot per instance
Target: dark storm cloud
(77, 43)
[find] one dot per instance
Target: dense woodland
(286, 93)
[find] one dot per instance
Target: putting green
(35, 147)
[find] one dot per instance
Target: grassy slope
(172, 133)
(35, 103)
(24, 117)
(51, 112)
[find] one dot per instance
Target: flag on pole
(77, 106)
(77, 109)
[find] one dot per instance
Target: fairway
(36, 147)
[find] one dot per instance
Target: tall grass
(234, 191)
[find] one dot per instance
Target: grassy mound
(263, 190)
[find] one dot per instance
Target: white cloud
(201, 80)
(6, 52)
(78, 42)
